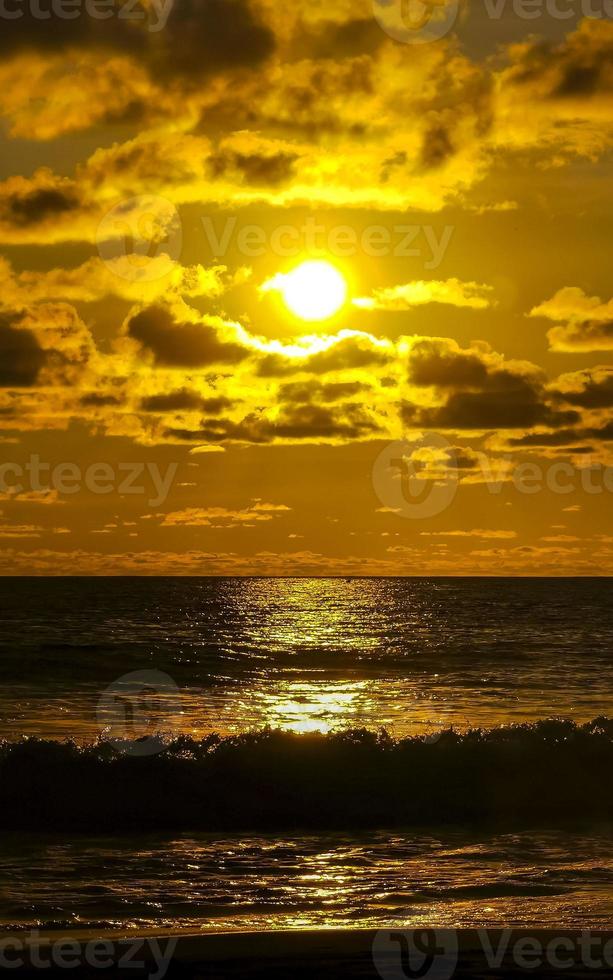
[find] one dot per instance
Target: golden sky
(165, 170)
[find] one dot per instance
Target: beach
(350, 953)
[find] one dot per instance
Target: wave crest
(549, 771)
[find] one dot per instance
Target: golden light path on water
(305, 655)
(303, 707)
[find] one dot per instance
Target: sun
(314, 290)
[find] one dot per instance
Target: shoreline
(326, 953)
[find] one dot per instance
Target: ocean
(220, 660)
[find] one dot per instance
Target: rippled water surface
(215, 883)
(306, 654)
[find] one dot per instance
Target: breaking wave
(540, 773)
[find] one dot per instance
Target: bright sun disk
(313, 290)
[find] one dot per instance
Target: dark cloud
(21, 358)
(319, 422)
(463, 458)
(436, 147)
(566, 437)
(301, 391)
(349, 353)
(441, 364)
(484, 391)
(348, 40)
(277, 366)
(563, 437)
(182, 344)
(249, 430)
(579, 80)
(258, 169)
(200, 37)
(590, 335)
(36, 205)
(399, 159)
(594, 389)
(521, 408)
(295, 422)
(174, 402)
(214, 406)
(204, 36)
(95, 400)
(604, 432)
(185, 400)
(579, 67)
(436, 363)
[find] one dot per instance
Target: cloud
(21, 357)
(222, 517)
(20, 531)
(481, 389)
(554, 98)
(473, 533)
(175, 375)
(44, 208)
(212, 35)
(178, 342)
(461, 464)
(452, 292)
(591, 388)
(95, 280)
(39, 204)
(332, 391)
(66, 94)
(484, 410)
(185, 400)
(588, 321)
(307, 130)
(578, 68)
(254, 168)
(45, 497)
(315, 422)
(443, 363)
(304, 108)
(348, 350)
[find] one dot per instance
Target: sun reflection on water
(310, 655)
(299, 706)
